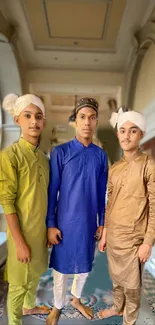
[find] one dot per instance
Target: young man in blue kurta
(76, 207)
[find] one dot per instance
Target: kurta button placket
(85, 163)
(125, 175)
(35, 154)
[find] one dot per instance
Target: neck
(84, 141)
(33, 140)
(131, 153)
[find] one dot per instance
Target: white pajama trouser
(60, 286)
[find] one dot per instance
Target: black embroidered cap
(89, 102)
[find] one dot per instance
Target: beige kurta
(24, 176)
(130, 217)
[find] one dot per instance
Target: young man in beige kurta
(129, 231)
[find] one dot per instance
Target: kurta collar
(78, 143)
(136, 155)
(25, 144)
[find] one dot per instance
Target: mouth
(35, 129)
(87, 131)
(124, 142)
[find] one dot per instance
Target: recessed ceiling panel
(74, 24)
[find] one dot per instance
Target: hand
(144, 252)
(102, 245)
(98, 233)
(53, 236)
(23, 253)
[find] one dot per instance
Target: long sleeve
(102, 184)
(54, 186)
(8, 183)
(150, 183)
(109, 198)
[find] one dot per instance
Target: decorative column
(142, 40)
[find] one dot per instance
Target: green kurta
(24, 176)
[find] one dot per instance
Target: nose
(127, 135)
(34, 120)
(87, 122)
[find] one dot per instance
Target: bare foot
(42, 310)
(106, 313)
(84, 310)
(53, 317)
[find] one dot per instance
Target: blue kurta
(76, 205)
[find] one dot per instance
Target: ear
(142, 134)
(16, 120)
(44, 123)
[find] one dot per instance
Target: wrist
(20, 241)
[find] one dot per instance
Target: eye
(27, 115)
(39, 117)
(134, 131)
(82, 117)
(93, 118)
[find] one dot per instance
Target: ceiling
(74, 25)
(69, 35)
(76, 34)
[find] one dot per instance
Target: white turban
(121, 117)
(15, 105)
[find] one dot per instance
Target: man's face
(31, 121)
(129, 136)
(86, 122)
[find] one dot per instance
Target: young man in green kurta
(24, 175)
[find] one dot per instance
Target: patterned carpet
(97, 293)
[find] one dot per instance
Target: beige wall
(74, 81)
(145, 87)
(74, 77)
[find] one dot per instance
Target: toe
(101, 314)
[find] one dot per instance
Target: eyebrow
(39, 113)
(87, 115)
(132, 127)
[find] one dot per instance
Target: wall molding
(149, 114)
(142, 40)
